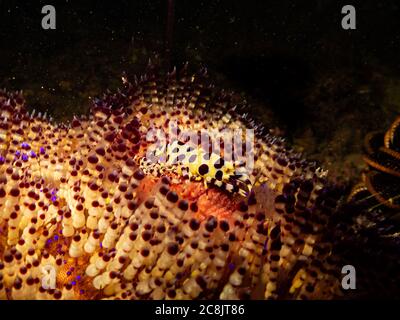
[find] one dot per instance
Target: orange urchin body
(82, 199)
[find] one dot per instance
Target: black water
(292, 57)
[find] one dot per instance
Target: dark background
(323, 86)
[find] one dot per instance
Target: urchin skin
(80, 198)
